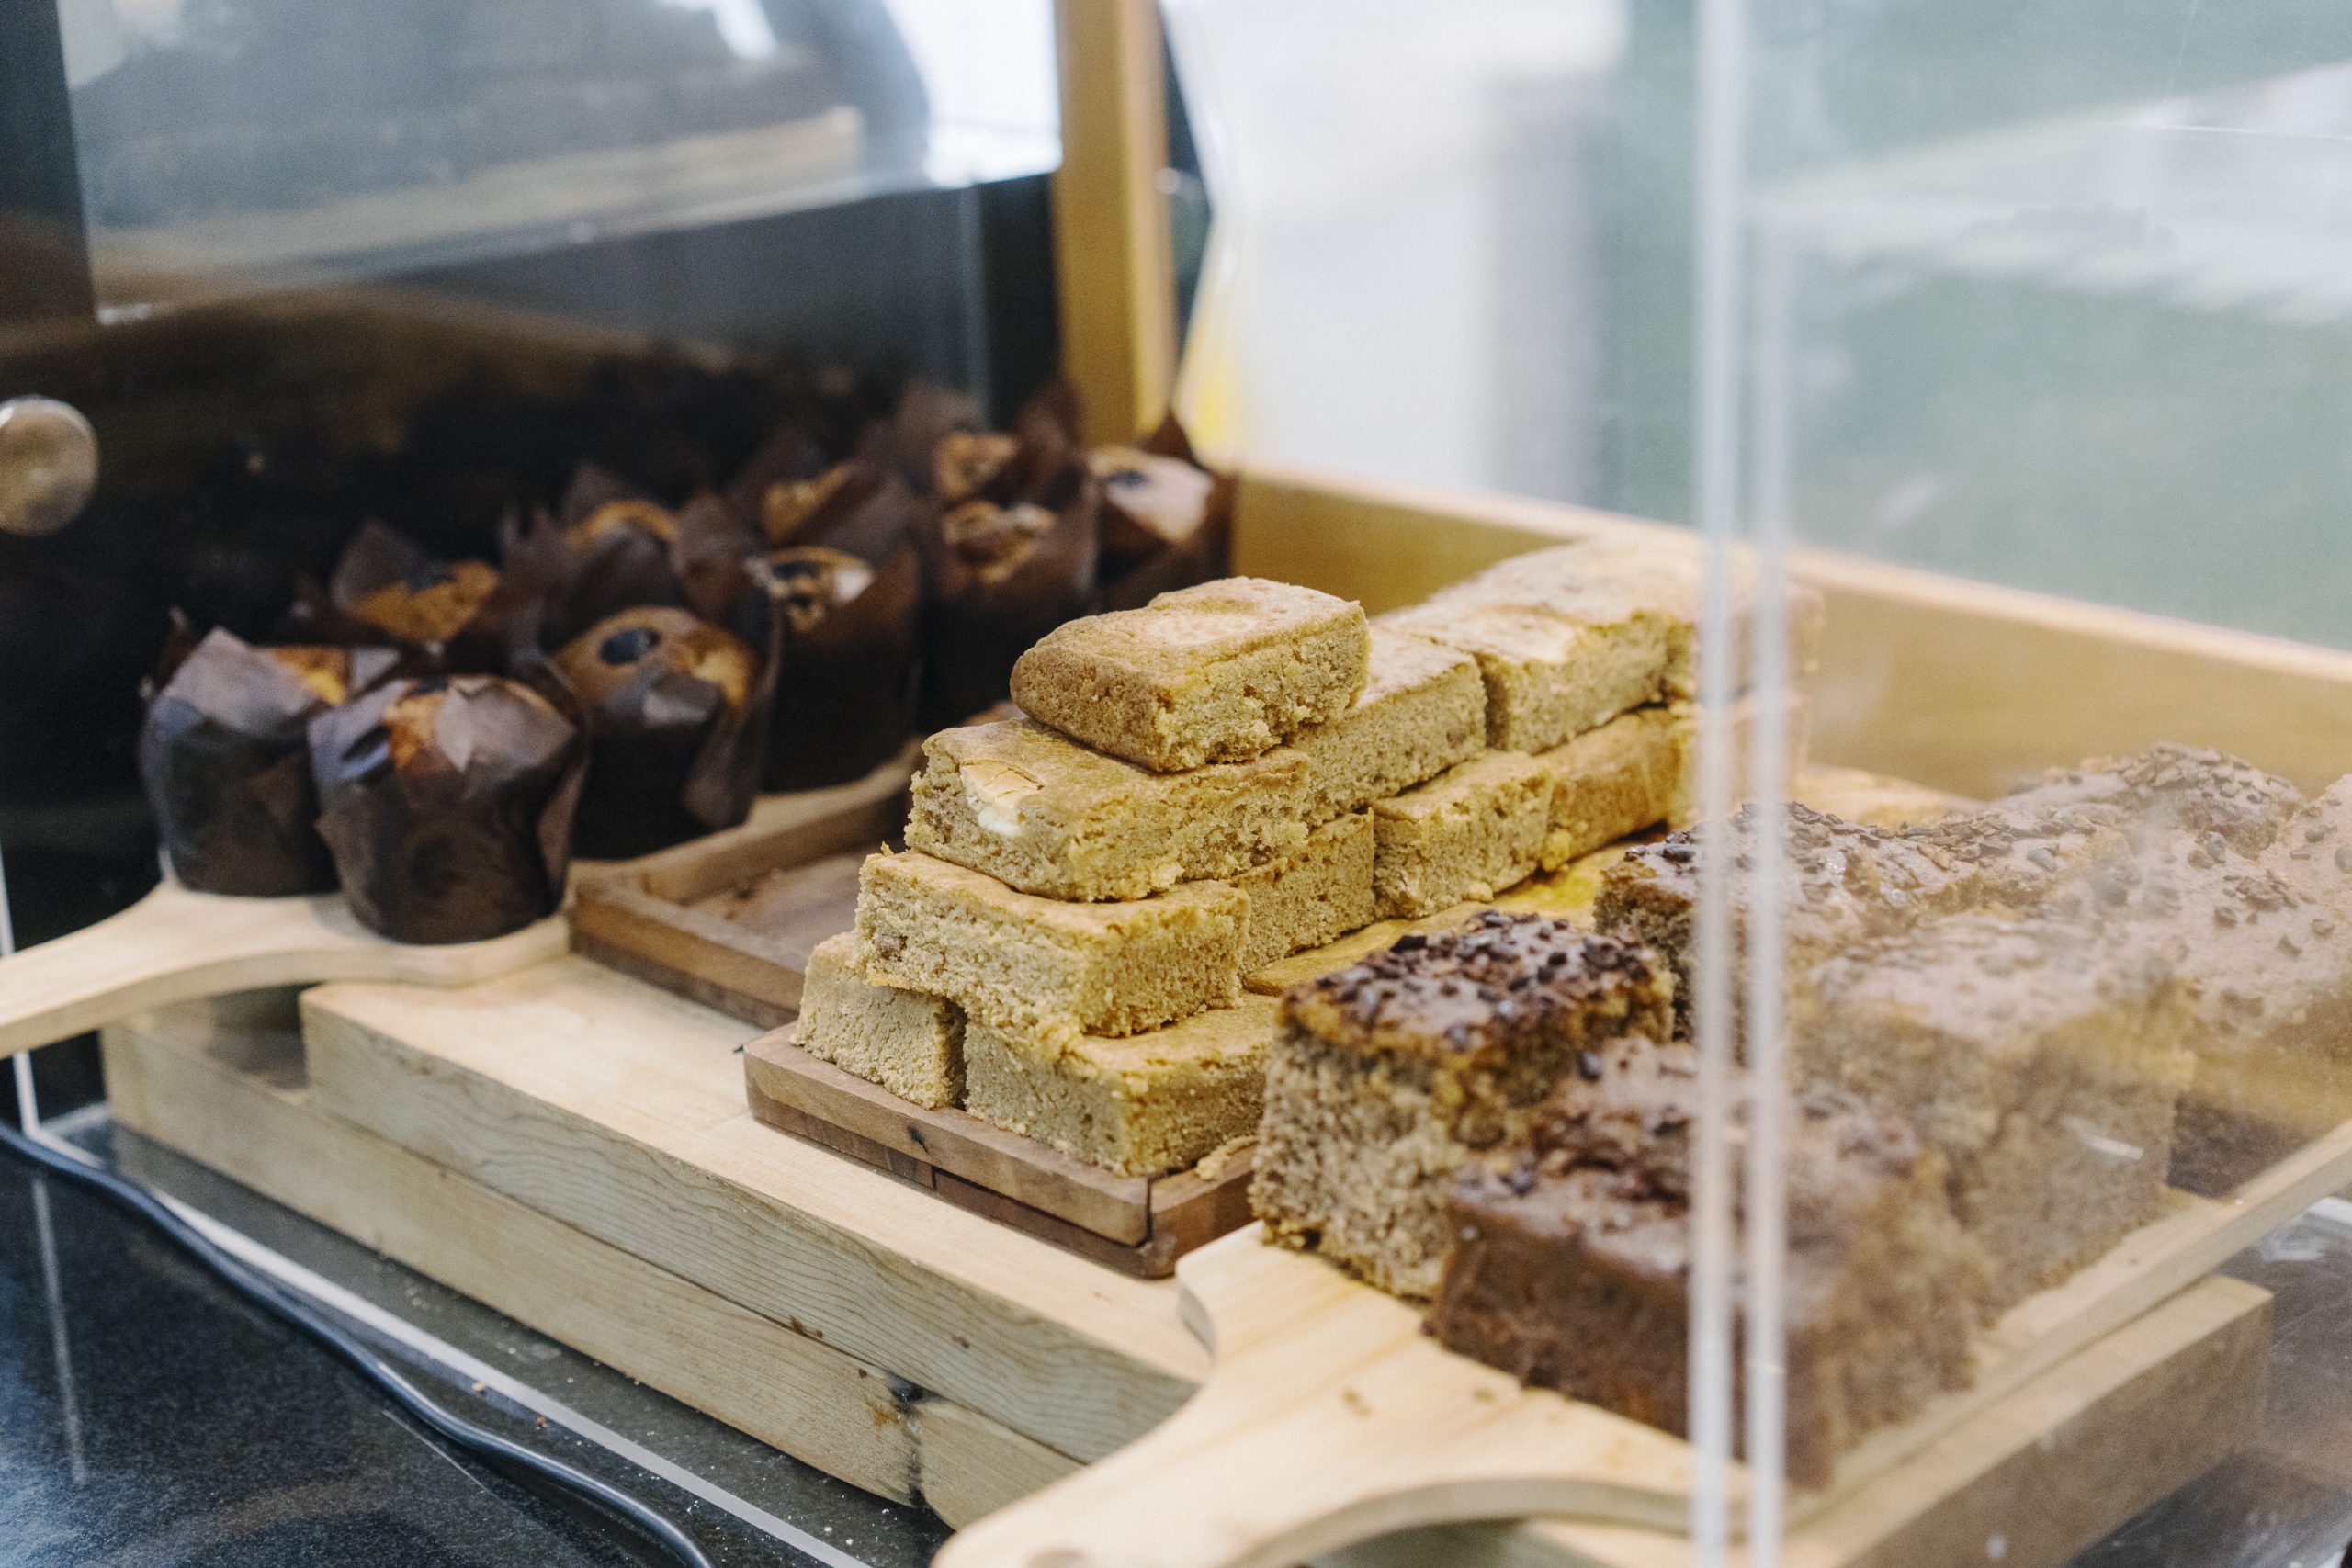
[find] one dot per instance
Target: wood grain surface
(174, 944)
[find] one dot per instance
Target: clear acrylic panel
(2024, 974)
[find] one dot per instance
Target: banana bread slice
(1571, 1258)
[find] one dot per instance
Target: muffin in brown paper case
(224, 757)
(448, 805)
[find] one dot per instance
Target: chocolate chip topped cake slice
(1570, 1266)
(1392, 1073)
(1214, 673)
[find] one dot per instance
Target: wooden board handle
(174, 945)
(1331, 1418)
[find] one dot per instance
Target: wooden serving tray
(1139, 1226)
(584, 1116)
(730, 919)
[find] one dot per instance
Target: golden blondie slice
(1618, 779)
(1422, 709)
(1040, 968)
(908, 1042)
(1667, 576)
(1041, 813)
(1553, 669)
(1467, 834)
(1321, 892)
(1139, 1105)
(1214, 673)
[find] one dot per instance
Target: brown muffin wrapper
(472, 839)
(1207, 555)
(224, 760)
(1131, 579)
(669, 761)
(789, 453)
(845, 688)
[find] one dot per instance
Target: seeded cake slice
(1389, 1075)
(2043, 1057)
(1214, 673)
(1571, 1260)
(2261, 941)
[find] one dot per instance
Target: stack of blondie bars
(1232, 775)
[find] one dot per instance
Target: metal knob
(49, 465)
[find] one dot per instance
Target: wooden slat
(184, 1079)
(1404, 1433)
(1309, 1360)
(1036, 1175)
(972, 1466)
(1113, 262)
(1963, 686)
(2027, 1484)
(620, 1109)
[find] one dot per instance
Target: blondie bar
(1668, 577)
(1044, 970)
(1320, 893)
(1467, 834)
(1142, 1105)
(1553, 670)
(1390, 1075)
(1618, 779)
(1042, 813)
(1570, 1267)
(908, 1042)
(1422, 709)
(1214, 673)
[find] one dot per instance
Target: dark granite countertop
(150, 1416)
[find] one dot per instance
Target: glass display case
(1766, 975)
